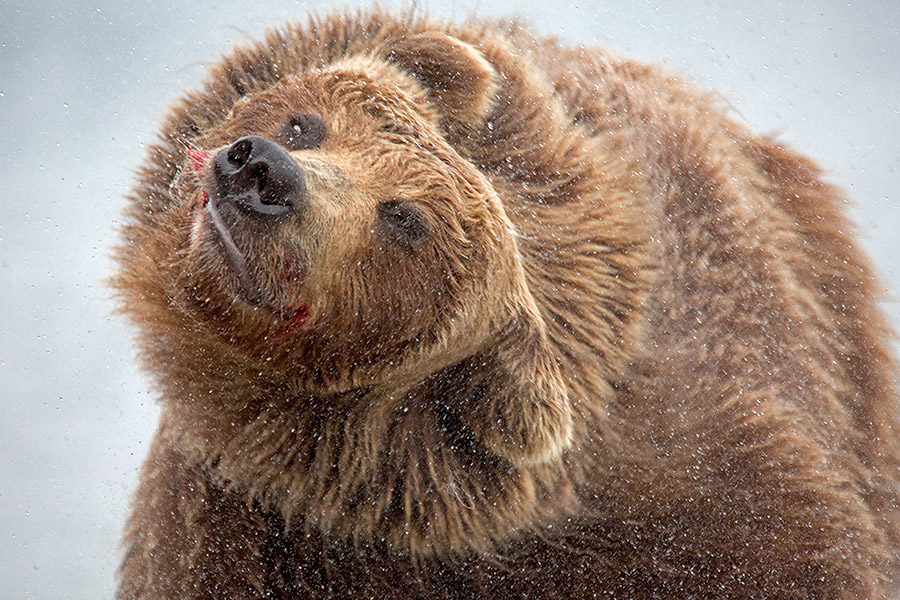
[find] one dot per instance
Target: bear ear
(460, 82)
(517, 403)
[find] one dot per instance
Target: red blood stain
(199, 158)
(297, 319)
(300, 315)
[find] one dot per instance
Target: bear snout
(259, 176)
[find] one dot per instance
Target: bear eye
(304, 132)
(403, 218)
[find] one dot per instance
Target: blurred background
(83, 86)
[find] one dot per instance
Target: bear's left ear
(460, 82)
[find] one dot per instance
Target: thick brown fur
(630, 352)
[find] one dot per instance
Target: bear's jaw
(224, 278)
(212, 236)
(249, 288)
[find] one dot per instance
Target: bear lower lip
(249, 287)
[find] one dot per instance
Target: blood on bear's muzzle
(259, 177)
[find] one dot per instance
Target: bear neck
(375, 463)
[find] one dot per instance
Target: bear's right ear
(460, 82)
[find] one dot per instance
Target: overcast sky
(83, 87)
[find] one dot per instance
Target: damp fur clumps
(512, 319)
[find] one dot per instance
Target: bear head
(327, 238)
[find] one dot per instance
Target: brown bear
(442, 311)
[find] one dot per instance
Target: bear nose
(259, 176)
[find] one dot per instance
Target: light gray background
(82, 88)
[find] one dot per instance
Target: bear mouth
(243, 283)
(250, 289)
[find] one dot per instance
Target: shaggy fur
(613, 345)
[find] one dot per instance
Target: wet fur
(722, 419)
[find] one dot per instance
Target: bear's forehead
(362, 84)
